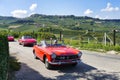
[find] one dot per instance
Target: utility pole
(114, 37)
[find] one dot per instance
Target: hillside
(70, 22)
(72, 27)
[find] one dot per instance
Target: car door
(42, 51)
(39, 51)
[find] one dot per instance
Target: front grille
(66, 57)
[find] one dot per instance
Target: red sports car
(56, 54)
(27, 40)
(10, 38)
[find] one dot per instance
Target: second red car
(27, 41)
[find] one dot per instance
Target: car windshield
(52, 43)
(27, 37)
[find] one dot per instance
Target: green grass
(92, 46)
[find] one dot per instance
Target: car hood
(10, 37)
(63, 50)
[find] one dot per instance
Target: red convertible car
(10, 38)
(27, 40)
(56, 54)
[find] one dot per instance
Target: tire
(23, 44)
(74, 64)
(47, 65)
(19, 43)
(35, 55)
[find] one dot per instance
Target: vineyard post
(114, 37)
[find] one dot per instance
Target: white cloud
(88, 11)
(116, 8)
(109, 8)
(33, 7)
(24, 13)
(19, 13)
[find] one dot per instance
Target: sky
(103, 9)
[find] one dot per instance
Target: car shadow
(81, 67)
(12, 41)
(85, 71)
(28, 45)
(81, 71)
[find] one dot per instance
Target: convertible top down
(54, 53)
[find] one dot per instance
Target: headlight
(53, 55)
(25, 41)
(79, 54)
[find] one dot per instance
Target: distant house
(98, 22)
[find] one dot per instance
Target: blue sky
(104, 9)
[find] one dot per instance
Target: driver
(55, 42)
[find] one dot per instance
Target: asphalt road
(94, 66)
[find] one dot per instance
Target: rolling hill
(69, 22)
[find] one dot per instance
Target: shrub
(15, 34)
(42, 35)
(117, 48)
(4, 56)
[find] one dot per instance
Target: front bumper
(10, 39)
(65, 62)
(29, 43)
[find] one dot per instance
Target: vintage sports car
(10, 38)
(55, 54)
(27, 41)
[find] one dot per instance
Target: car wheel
(23, 45)
(35, 55)
(47, 65)
(19, 43)
(74, 64)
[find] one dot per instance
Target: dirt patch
(14, 26)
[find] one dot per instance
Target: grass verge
(14, 65)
